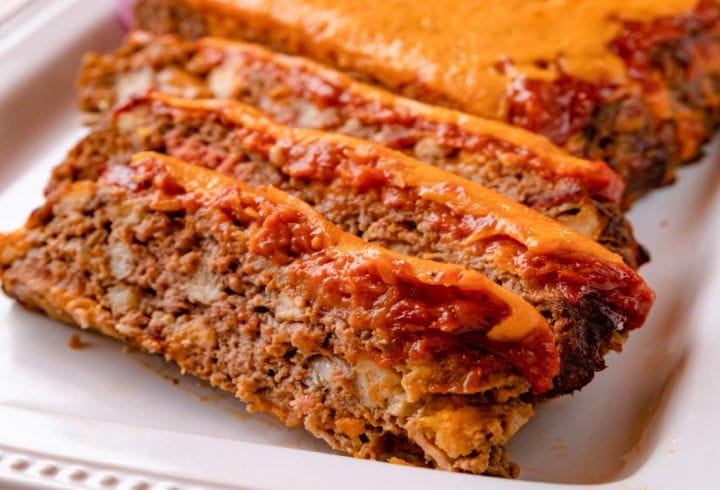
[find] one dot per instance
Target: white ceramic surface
(103, 418)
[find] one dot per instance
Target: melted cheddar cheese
(466, 50)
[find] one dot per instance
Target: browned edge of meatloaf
(159, 267)
(601, 122)
(684, 53)
(586, 326)
(190, 70)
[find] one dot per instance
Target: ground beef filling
(360, 199)
(198, 284)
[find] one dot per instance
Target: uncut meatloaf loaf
(381, 355)
(298, 92)
(590, 296)
(634, 83)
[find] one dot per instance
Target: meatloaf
(381, 355)
(635, 83)
(589, 295)
(298, 92)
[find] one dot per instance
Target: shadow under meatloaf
(382, 356)
(635, 83)
(590, 296)
(298, 92)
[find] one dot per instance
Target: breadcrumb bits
(77, 343)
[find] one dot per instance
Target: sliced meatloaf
(590, 296)
(298, 92)
(635, 83)
(381, 355)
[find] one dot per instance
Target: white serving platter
(101, 417)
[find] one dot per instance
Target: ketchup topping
(579, 277)
(637, 42)
(560, 108)
(556, 109)
(414, 320)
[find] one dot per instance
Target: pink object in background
(124, 12)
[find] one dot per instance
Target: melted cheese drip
(451, 47)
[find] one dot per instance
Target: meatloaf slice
(590, 296)
(381, 355)
(295, 91)
(635, 83)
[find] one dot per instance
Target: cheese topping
(448, 47)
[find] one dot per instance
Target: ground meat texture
(298, 92)
(364, 189)
(198, 279)
(672, 59)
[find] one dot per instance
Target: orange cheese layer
(466, 50)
